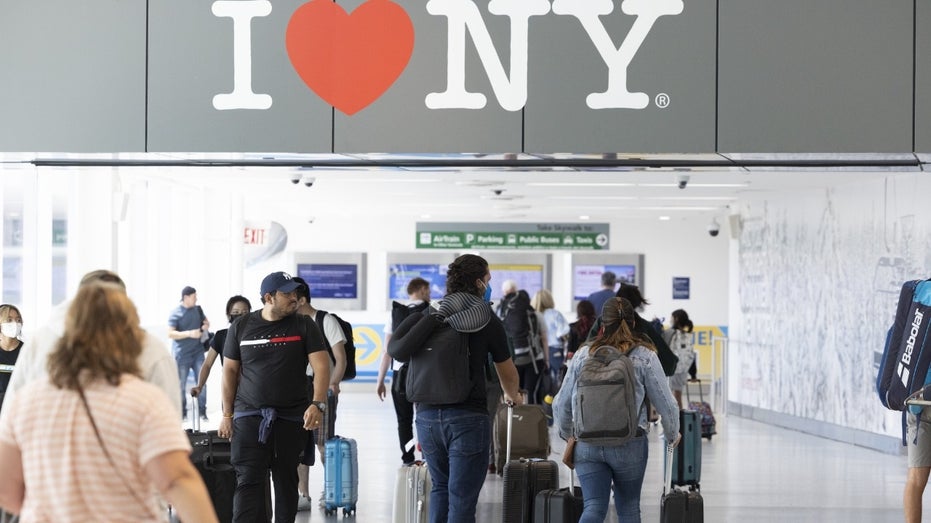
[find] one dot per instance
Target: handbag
(568, 455)
(399, 381)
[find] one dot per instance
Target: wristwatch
(321, 405)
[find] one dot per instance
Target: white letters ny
(511, 90)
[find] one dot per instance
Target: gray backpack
(604, 410)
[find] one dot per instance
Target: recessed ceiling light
(425, 216)
(664, 218)
(580, 184)
(584, 217)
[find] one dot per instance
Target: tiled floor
(750, 472)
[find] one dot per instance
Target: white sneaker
(304, 503)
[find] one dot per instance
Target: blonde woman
(94, 442)
(557, 333)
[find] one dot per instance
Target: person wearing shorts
(918, 440)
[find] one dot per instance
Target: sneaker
(492, 469)
(304, 503)
(322, 502)
(203, 417)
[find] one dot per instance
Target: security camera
(682, 180)
(309, 181)
(295, 178)
(714, 228)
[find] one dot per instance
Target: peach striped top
(67, 475)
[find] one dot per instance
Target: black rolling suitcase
(558, 505)
(211, 457)
(523, 478)
(679, 506)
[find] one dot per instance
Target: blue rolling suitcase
(341, 475)
(686, 460)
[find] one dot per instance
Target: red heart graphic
(349, 60)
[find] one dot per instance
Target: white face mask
(11, 329)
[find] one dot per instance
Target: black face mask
(234, 316)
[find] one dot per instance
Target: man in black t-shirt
(266, 353)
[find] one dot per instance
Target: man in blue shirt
(598, 298)
(187, 327)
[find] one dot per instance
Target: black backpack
(400, 311)
(516, 319)
(438, 373)
(349, 346)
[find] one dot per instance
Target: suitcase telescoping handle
(701, 393)
(195, 409)
(667, 472)
(507, 454)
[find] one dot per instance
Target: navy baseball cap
(278, 282)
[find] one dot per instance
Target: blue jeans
(598, 466)
(455, 446)
(191, 363)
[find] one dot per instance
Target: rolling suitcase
(412, 494)
(703, 408)
(679, 506)
(531, 433)
(341, 475)
(558, 505)
(686, 460)
(523, 478)
(210, 455)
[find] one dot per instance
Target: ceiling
(470, 187)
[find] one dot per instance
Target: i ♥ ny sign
(350, 59)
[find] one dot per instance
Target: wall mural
(819, 280)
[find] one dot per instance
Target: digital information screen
(400, 274)
(331, 280)
(528, 278)
(586, 279)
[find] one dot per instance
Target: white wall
(817, 279)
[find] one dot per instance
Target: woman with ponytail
(624, 465)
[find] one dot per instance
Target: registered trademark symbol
(662, 100)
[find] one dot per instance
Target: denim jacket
(651, 382)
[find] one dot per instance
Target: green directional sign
(521, 236)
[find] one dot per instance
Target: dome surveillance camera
(309, 181)
(295, 178)
(714, 228)
(682, 180)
